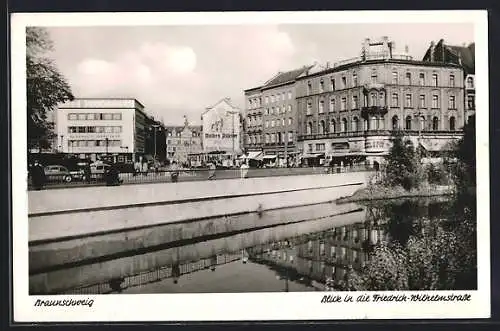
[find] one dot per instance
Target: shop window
(452, 123)
(435, 123)
(408, 123)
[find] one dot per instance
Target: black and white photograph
(289, 165)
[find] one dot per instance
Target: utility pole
(155, 126)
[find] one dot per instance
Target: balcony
(366, 112)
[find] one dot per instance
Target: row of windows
(94, 129)
(253, 139)
(94, 116)
(278, 110)
(374, 79)
(377, 123)
(179, 134)
(184, 142)
(279, 122)
(278, 97)
(94, 143)
(254, 120)
(279, 137)
(379, 101)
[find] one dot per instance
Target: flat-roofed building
(102, 128)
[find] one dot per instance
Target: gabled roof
(461, 55)
(285, 77)
(226, 100)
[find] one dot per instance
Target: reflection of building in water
(324, 255)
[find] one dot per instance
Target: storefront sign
(376, 145)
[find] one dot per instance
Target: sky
(180, 70)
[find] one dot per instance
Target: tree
(403, 168)
(45, 87)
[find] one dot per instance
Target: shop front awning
(254, 156)
(312, 156)
(269, 157)
(438, 145)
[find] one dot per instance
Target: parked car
(59, 173)
(98, 169)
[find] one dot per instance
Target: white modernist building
(96, 128)
(221, 128)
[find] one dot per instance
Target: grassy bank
(379, 192)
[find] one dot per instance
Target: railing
(186, 175)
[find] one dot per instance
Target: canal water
(434, 238)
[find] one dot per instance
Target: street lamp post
(232, 128)
(155, 126)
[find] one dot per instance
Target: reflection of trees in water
(431, 246)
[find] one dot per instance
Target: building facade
(102, 128)
(346, 113)
(183, 141)
(461, 55)
(221, 129)
(252, 121)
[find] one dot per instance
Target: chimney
(327, 64)
(432, 51)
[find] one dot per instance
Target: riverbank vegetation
(422, 253)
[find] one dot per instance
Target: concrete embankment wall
(86, 225)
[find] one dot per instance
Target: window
(81, 129)
(258, 139)
(108, 129)
(408, 102)
(289, 95)
(452, 123)
(267, 138)
(434, 80)
(435, 123)
(320, 147)
(321, 127)
(310, 148)
(321, 87)
(332, 84)
(273, 123)
(278, 137)
(309, 108)
(408, 123)
(290, 121)
(395, 78)
(72, 117)
(290, 136)
(321, 107)
(471, 104)
(452, 80)
(435, 101)
(373, 100)
(332, 126)
(354, 102)
(273, 98)
(421, 79)
(273, 138)
(422, 123)
(395, 122)
(278, 122)
(267, 100)
(332, 104)
(374, 78)
(250, 104)
(355, 123)
(343, 127)
(309, 88)
(451, 102)
(267, 124)
(374, 124)
(470, 82)
(289, 108)
(272, 111)
(395, 100)
(354, 79)
(422, 101)
(343, 104)
(91, 117)
(91, 129)
(82, 117)
(408, 78)
(283, 97)
(381, 100)
(309, 128)
(107, 116)
(283, 121)
(344, 82)
(268, 111)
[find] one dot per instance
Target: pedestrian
(145, 168)
(244, 169)
(113, 176)
(38, 176)
(211, 171)
(174, 172)
(87, 173)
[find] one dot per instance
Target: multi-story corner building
(464, 56)
(183, 141)
(346, 112)
(98, 128)
(221, 130)
(252, 122)
(271, 118)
